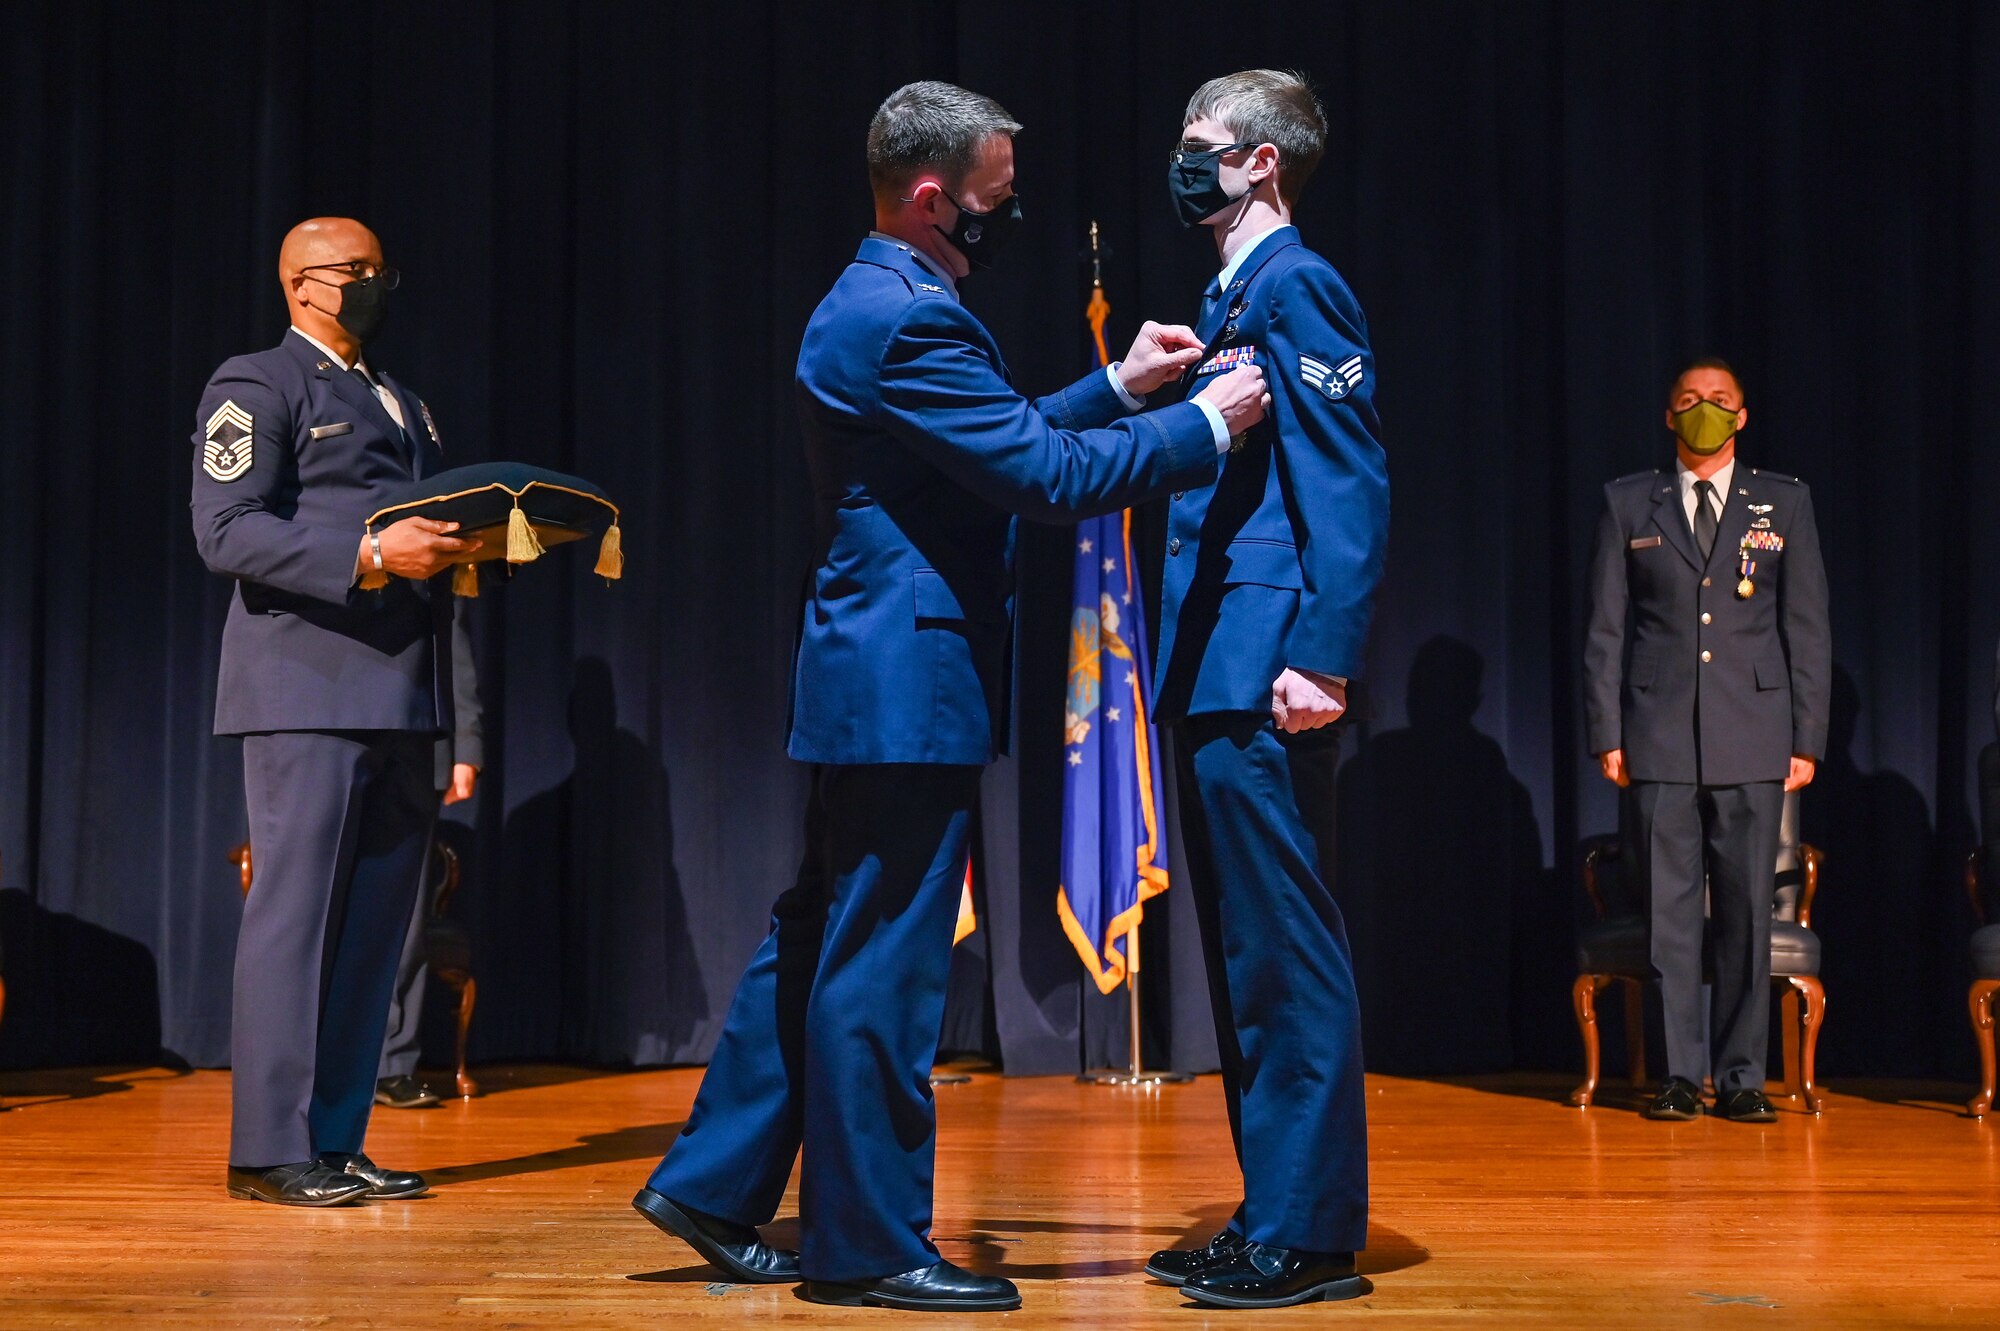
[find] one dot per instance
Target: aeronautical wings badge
(227, 445)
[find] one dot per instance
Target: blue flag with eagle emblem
(1113, 847)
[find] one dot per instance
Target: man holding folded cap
(338, 693)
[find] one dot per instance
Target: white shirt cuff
(1118, 387)
(1215, 423)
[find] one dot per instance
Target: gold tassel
(465, 581)
(374, 580)
(611, 554)
(522, 545)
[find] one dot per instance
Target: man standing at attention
(1708, 676)
(338, 692)
(922, 455)
(1270, 580)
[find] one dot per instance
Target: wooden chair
(447, 947)
(1986, 938)
(1615, 946)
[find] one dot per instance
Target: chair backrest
(1614, 890)
(1986, 881)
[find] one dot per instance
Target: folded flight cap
(536, 509)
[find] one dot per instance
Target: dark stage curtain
(615, 220)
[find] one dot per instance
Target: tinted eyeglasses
(359, 272)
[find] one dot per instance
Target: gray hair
(934, 127)
(1270, 106)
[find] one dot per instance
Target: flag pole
(1135, 1073)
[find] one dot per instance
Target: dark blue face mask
(1194, 183)
(980, 236)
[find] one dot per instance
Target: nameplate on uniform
(330, 431)
(1230, 358)
(1642, 542)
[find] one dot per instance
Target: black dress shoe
(383, 1184)
(1175, 1265)
(1745, 1106)
(308, 1183)
(942, 1287)
(404, 1092)
(736, 1250)
(1679, 1100)
(1261, 1276)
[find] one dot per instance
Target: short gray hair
(930, 126)
(1271, 106)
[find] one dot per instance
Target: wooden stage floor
(1493, 1203)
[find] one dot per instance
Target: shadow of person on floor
(647, 1142)
(592, 913)
(1438, 854)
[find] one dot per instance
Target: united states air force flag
(1113, 854)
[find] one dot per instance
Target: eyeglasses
(1185, 149)
(360, 273)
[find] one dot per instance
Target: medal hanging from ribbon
(1745, 566)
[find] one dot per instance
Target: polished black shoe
(1175, 1265)
(308, 1183)
(735, 1250)
(383, 1184)
(1261, 1276)
(404, 1092)
(1745, 1106)
(1678, 1101)
(941, 1287)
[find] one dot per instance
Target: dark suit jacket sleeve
(469, 735)
(1604, 639)
(236, 525)
(1333, 469)
(1807, 633)
(942, 394)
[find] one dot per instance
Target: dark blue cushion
(481, 498)
(1621, 946)
(1986, 953)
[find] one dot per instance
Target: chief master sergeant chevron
(336, 670)
(921, 454)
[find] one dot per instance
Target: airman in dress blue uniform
(922, 457)
(1708, 680)
(338, 693)
(1270, 581)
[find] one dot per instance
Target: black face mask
(980, 236)
(1194, 182)
(363, 306)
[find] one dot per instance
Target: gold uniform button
(1707, 618)
(1704, 582)
(1706, 657)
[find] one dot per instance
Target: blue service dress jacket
(922, 456)
(1696, 681)
(292, 454)
(1275, 566)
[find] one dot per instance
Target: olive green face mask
(1705, 427)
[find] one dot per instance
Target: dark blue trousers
(831, 1036)
(1721, 841)
(338, 827)
(1280, 976)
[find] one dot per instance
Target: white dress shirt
(382, 394)
(1687, 479)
